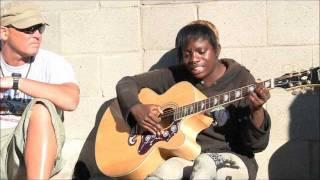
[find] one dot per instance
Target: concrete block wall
(106, 40)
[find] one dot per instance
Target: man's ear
(4, 32)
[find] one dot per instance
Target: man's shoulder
(50, 58)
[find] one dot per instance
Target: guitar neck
(220, 100)
(289, 81)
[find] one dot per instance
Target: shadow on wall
(299, 157)
(86, 167)
(168, 59)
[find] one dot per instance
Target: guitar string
(172, 111)
(206, 102)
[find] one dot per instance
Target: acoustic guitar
(123, 152)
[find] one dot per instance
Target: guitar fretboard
(219, 100)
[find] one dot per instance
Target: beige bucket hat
(21, 15)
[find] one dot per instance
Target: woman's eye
(202, 52)
(186, 55)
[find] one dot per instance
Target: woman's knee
(233, 169)
(203, 168)
(204, 161)
(173, 168)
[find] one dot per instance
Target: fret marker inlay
(202, 105)
(237, 93)
(215, 101)
(225, 97)
(267, 84)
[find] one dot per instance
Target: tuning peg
(299, 72)
(296, 92)
(299, 83)
(311, 88)
(308, 88)
(303, 90)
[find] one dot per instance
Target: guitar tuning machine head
(308, 89)
(303, 90)
(299, 83)
(295, 92)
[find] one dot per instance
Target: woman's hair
(210, 25)
(192, 32)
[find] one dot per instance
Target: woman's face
(201, 59)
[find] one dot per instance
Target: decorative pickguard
(148, 139)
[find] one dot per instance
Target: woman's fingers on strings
(160, 110)
(157, 111)
(256, 101)
(263, 93)
(145, 127)
(151, 129)
(153, 125)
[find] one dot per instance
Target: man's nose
(37, 34)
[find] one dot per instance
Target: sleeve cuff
(265, 126)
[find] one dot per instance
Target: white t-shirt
(46, 67)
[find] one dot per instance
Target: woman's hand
(147, 116)
(258, 98)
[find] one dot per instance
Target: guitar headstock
(299, 80)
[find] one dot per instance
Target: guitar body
(117, 158)
(123, 153)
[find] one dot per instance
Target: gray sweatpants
(203, 167)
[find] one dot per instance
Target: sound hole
(167, 118)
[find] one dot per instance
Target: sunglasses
(31, 29)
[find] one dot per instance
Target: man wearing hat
(36, 86)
